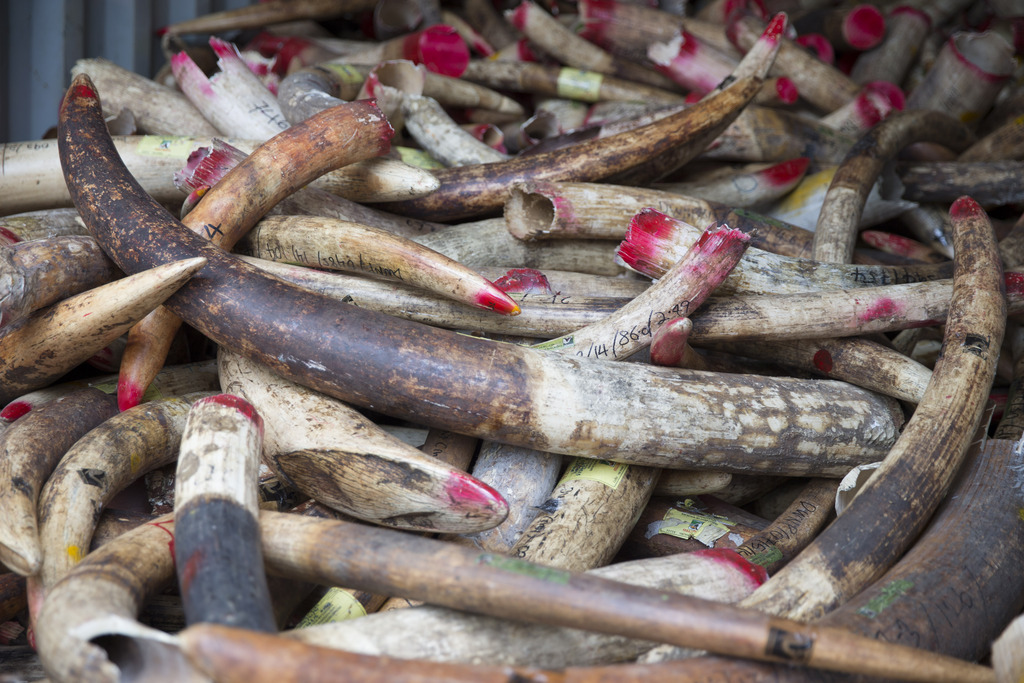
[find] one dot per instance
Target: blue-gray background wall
(42, 39)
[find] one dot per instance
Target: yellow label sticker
(418, 158)
(559, 343)
(165, 146)
(75, 553)
(807, 190)
(689, 521)
(346, 73)
(576, 84)
(607, 472)
(337, 604)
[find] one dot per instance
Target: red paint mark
(689, 63)
(892, 93)
(668, 345)
(718, 236)
(655, 223)
(206, 166)
(688, 45)
(523, 51)
(267, 44)
(490, 135)
(632, 256)
(881, 308)
(604, 10)
(238, 403)
(877, 100)
(524, 280)
(977, 71)
(665, 350)
(864, 27)
(189, 75)
(896, 244)
(868, 113)
(966, 207)
(193, 564)
(161, 32)
(786, 173)
(224, 49)
(649, 236)
(599, 17)
(481, 47)
(439, 48)
(519, 16)
(786, 90)
(8, 236)
(160, 525)
(1014, 285)
(693, 97)
(913, 12)
(82, 90)
(465, 491)
(733, 7)
(15, 409)
(823, 360)
(180, 59)
(730, 558)
(283, 48)
(371, 84)
(129, 393)
(818, 45)
(194, 196)
(775, 28)
(705, 237)
(564, 209)
(496, 300)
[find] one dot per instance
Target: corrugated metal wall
(42, 39)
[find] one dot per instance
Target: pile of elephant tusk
(575, 340)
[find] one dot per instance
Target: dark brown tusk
(844, 202)
(844, 557)
(40, 272)
(32, 448)
(388, 561)
(469, 191)
(279, 167)
(399, 363)
(797, 526)
(98, 466)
